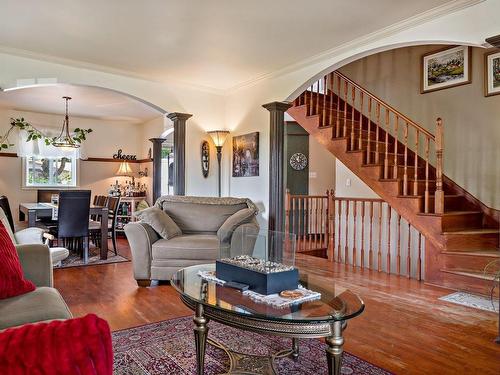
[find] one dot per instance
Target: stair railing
(402, 147)
(360, 232)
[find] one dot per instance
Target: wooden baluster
(324, 122)
(377, 115)
(368, 136)
(360, 139)
(354, 213)
(317, 98)
(370, 251)
(362, 250)
(309, 218)
(426, 194)
(299, 224)
(353, 133)
(439, 193)
(294, 218)
(318, 231)
(386, 157)
(405, 173)
(398, 248)
(346, 249)
(379, 253)
(332, 84)
(389, 215)
(339, 249)
(396, 136)
(310, 107)
(331, 226)
(415, 173)
(287, 215)
(337, 110)
(344, 130)
(419, 262)
(408, 254)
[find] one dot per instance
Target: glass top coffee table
(326, 317)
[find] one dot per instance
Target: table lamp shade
(219, 136)
(124, 169)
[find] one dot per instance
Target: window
(50, 171)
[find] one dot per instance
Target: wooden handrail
(386, 105)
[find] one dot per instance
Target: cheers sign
(121, 156)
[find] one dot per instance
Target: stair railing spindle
(310, 107)
(408, 254)
(396, 130)
(426, 194)
(379, 253)
(368, 137)
(325, 83)
(344, 130)
(353, 130)
(405, 172)
(362, 250)
(386, 157)
(337, 111)
(346, 249)
(415, 172)
(419, 262)
(370, 251)
(439, 193)
(377, 115)
(339, 249)
(361, 107)
(355, 213)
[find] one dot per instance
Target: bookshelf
(126, 209)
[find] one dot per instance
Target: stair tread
(474, 231)
(452, 213)
(421, 196)
(470, 273)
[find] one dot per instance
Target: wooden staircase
(402, 162)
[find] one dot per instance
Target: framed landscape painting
(446, 68)
(492, 74)
(246, 155)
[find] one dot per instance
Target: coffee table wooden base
(251, 364)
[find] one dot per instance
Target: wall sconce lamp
(219, 137)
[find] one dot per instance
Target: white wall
(321, 168)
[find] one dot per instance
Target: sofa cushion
(5, 221)
(12, 281)
(235, 220)
(74, 346)
(191, 246)
(200, 217)
(42, 304)
(160, 222)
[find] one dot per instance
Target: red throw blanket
(75, 346)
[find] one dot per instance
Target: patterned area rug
(75, 260)
(472, 300)
(168, 348)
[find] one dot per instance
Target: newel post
(439, 194)
(179, 120)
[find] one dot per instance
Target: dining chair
(73, 217)
(5, 206)
(95, 226)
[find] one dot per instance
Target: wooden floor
(404, 329)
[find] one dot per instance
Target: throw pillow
(73, 346)
(232, 222)
(160, 222)
(12, 281)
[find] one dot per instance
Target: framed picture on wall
(445, 68)
(246, 155)
(492, 73)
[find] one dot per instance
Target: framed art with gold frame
(492, 73)
(445, 68)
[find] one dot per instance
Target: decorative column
(156, 154)
(179, 120)
(277, 171)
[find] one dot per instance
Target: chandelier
(65, 140)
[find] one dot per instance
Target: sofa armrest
(242, 241)
(29, 236)
(141, 238)
(36, 263)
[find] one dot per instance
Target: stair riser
(462, 283)
(467, 262)
(461, 222)
(458, 242)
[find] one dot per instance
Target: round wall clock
(205, 158)
(298, 161)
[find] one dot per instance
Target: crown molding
(106, 69)
(408, 23)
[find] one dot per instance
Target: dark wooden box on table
(259, 282)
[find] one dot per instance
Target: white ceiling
(218, 43)
(91, 102)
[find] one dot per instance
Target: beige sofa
(204, 238)
(45, 302)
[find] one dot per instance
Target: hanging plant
(78, 136)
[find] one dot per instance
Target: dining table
(34, 211)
